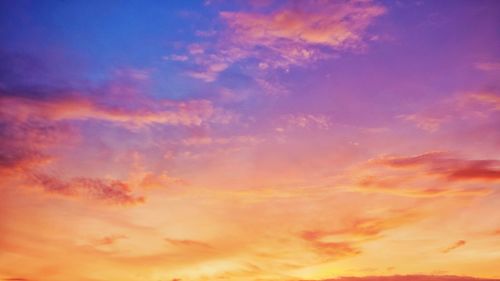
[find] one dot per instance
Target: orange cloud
(109, 240)
(336, 249)
(346, 240)
(188, 243)
(454, 246)
(153, 180)
(364, 228)
(330, 249)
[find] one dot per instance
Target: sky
(249, 140)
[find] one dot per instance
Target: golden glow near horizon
(267, 140)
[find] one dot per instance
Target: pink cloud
(488, 65)
(410, 278)
(271, 87)
(424, 122)
(335, 24)
(489, 99)
(447, 166)
(189, 113)
(289, 35)
(23, 143)
(318, 121)
(207, 140)
(395, 187)
(430, 174)
(409, 161)
(107, 191)
(468, 106)
(33, 126)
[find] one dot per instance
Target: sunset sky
(249, 140)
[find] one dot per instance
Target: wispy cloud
(348, 238)
(488, 65)
(188, 243)
(365, 228)
(302, 121)
(208, 140)
(177, 57)
(425, 122)
(109, 240)
(467, 106)
(70, 107)
(456, 245)
(490, 100)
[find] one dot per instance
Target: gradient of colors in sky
(249, 140)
